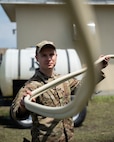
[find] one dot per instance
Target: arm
(18, 109)
(103, 65)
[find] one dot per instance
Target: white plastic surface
(21, 65)
(8, 71)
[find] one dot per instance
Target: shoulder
(32, 85)
(56, 75)
(73, 82)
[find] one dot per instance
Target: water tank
(21, 64)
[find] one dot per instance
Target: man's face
(47, 58)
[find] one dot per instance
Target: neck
(48, 72)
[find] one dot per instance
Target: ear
(36, 57)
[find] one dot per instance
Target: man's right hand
(22, 104)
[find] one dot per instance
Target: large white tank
(21, 64)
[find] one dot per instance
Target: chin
(50, 67)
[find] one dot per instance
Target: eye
(44, 55)
(51, 54)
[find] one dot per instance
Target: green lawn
(97, 127)
(99, 123)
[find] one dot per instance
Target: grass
(97, 127)
(99, 123)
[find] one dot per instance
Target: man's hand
(104, 63)
(22, 105)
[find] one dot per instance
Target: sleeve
(101, 74)
(101, 77)
(15, 107)
(16, 112)
(74, 84)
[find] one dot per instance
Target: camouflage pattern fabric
(47, 129)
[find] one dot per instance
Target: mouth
(50, 64)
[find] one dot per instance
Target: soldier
(47, 129)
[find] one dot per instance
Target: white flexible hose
(82, 16)
(103, 58)
(58, 111)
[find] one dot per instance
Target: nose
(49, 57)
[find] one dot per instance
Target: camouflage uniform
(47, 129)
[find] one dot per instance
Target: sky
(7, 38)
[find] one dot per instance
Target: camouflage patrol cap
(43, 44)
